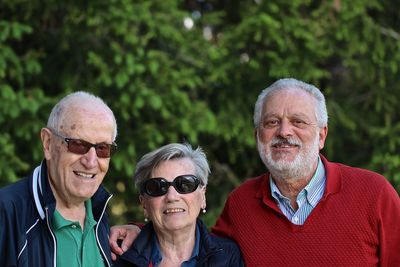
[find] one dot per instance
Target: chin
(178, 225)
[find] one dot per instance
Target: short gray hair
(61, 109)
(320, 109)
(151, 160)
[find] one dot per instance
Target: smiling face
(75, 178)
(288, 138)
(174, 212)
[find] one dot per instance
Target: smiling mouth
(284, 145)
(84, 175)
(175, 210)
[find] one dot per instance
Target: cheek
(104, 164)
(263, 144)
(61, 163)
(54, 153)
(197, 202)
(265, 135)
(151, 205)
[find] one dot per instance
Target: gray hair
(320, 109)
(151, 160)
(61, 109)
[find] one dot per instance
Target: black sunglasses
(183, 184)
(81, 147)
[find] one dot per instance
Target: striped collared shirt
(306, 200)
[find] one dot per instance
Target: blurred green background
(176, 71)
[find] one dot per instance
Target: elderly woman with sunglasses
(172, 182)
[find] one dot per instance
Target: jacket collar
(206, 242)
(140, 252)
(44, 198)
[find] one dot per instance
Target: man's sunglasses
(183, 184)
(81, 147)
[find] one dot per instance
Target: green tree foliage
(176, 71)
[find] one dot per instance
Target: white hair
(62, 107)
(282, 84)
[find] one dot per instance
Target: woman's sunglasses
(81, 147)
(183, 184)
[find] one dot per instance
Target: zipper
(97, 236)
(97, 231)
(54, 238)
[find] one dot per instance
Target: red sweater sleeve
(388, 207)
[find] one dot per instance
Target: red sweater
(356, 223)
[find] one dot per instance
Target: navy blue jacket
(26, 210)
(213, 251)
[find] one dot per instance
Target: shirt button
(73, 226)
(296, 219)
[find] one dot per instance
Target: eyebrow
(302, 115)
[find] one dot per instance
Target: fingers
(132, 231)
(116, 233)
(126, 233)
(113, 256)
(115, 248)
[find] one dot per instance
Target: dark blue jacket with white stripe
(214, 251)
(26, 210)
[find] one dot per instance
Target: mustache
(285, 141)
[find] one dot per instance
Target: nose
(172, 194)
(89, 160)
(285, 129)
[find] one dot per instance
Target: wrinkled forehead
(79, 115)
(173, 167)
(289, 100)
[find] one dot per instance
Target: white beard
(301, 167)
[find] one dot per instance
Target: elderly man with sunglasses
(56, 215)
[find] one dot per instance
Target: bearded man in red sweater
(305, 211)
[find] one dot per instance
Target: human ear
(323, 132)
(45, 136)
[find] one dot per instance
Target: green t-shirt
(76, 248)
